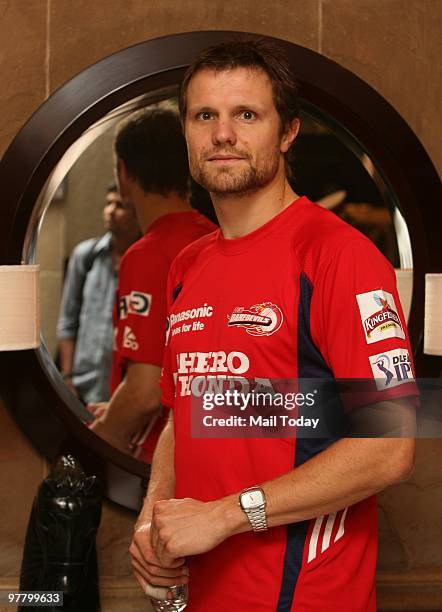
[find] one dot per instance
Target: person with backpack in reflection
(84, 328)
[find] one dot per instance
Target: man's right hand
(146, 566)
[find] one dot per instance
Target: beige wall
(393, 45)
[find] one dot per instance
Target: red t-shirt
(304, 296)
(140, 306)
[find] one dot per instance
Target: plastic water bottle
(173, 598)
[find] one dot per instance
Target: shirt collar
(104, 243)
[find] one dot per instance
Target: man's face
(233, 131)
(119, 218)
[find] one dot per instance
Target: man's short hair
(258, 53)
(152, 146)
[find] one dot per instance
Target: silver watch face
(251, 499)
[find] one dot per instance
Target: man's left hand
(98, 409)
(100, 427)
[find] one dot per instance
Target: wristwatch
(253, 503)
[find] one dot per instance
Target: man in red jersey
(153, 175)
(284, 290)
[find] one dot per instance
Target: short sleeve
(358, 323)
(141, 308)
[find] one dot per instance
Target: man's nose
(223, 132)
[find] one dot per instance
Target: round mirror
(328, 165)
(341, 160)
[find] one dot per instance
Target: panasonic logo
(191, 313)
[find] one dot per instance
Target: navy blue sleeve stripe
(176, 292)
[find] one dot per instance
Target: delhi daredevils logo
(258, 320)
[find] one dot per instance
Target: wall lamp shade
(433, 314)
(404, 282)
(19, 307)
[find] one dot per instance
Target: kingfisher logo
(259, 320)
(391, 368)
(379, 316)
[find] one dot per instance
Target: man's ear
(289, 135)
(122, 173)
(124, 179)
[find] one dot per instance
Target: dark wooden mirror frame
(30, 384)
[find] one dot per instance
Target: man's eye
(248, 115)
(204, 116)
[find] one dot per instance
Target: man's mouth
(224, 158)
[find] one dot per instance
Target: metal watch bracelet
(257, 518)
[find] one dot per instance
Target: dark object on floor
(59, 552)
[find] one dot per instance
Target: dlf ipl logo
(259, 320)
(391, 368)
(379, 316)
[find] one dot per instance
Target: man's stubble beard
(229, 181)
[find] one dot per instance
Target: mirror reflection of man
(267, 524)
(84, 328)
(153, 175)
